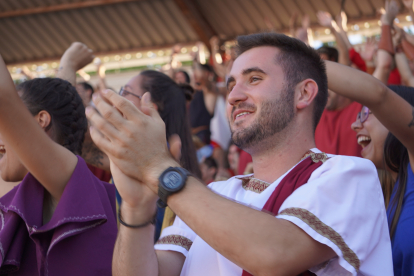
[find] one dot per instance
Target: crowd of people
(280, 160)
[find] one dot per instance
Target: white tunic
(341, 206)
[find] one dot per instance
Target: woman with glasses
(385, 130)
(170, 100)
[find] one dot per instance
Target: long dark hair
(170, 100)
(397, 160)
(60, 99)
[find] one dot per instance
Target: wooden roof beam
(61, 7)
(196, 19)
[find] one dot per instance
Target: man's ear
(44, 119)
(307, 91)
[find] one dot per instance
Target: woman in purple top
(60, 220)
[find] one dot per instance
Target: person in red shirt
(333, 133)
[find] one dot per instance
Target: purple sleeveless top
(78, 240)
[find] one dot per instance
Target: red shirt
(244, 159)
(356, 58)
(100, 174)
(395, 77)
(334, 134)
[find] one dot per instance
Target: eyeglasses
(124, 93)
(363, 115)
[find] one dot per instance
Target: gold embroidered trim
(176, 240)
(316, 157)
(326, 231)
(249, 183)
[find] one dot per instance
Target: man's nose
(237, 94)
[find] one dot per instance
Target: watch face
(172, 180)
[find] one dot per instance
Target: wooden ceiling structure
(40, 30)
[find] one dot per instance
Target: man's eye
(254, 79)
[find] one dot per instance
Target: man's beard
(274, 117)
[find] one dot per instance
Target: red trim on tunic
(296, 178)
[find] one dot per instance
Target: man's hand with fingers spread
(133, 139)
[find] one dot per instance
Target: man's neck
(270, 164)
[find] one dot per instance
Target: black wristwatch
(172, 180)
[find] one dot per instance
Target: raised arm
(77, 56)
(396, 114)
(341, 21)
(325, 19)
(292, 23)
(50, 163)
(404, 68)
(370, 48)
(385, 46)
(401, 59)
(304, 31)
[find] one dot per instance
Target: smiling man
(302, 211)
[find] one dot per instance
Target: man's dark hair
(298, 61)
(331, 52)
(86, 86)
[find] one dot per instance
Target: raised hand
(391, 11)
(77, 56)
(369, 50)
(305, 21)
(342, 20)
(325, 19)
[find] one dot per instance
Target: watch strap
(163, 193)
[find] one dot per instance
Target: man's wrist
(152, 178)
